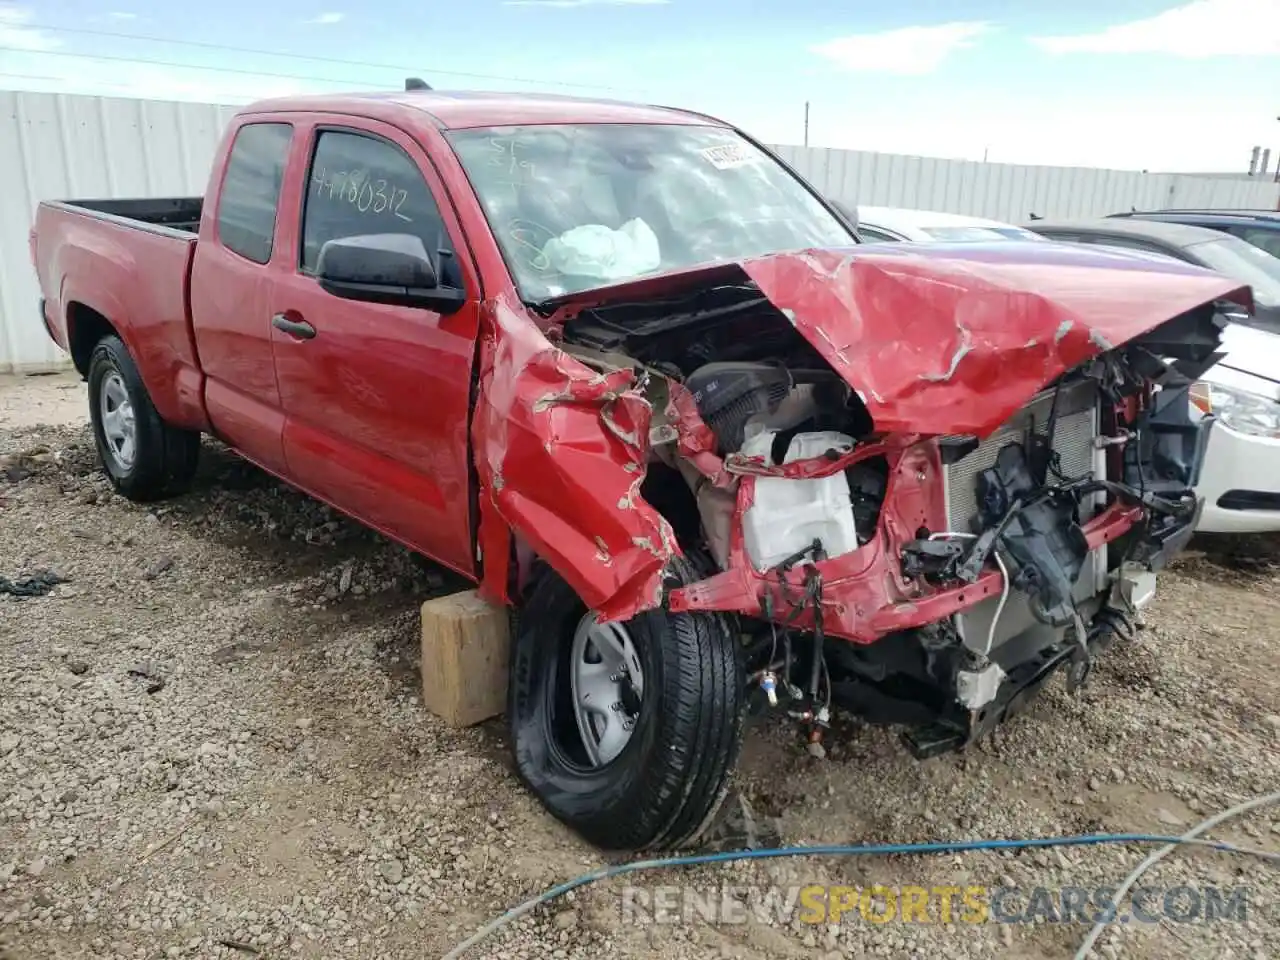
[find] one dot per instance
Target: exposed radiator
(1077, 426)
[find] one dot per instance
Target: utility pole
(806, 123)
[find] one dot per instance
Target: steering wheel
(704, 234)
(716, 222)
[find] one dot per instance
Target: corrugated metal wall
(1005, 191)
(55, 146)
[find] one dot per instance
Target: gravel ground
(211, 746)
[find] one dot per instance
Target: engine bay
(769, 398)
(953, 563)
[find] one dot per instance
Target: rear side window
(1140, 246)
(363, 185)
(872, 235)
(251, 189)
(1124, 243)
(1268, 240)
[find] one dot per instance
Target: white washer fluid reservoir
(786, 516)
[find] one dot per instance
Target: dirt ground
(211, 746)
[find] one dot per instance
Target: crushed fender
(561, 451)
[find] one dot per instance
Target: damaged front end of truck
(918, 481)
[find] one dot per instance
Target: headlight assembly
(1244, 412)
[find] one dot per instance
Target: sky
(1132, 84)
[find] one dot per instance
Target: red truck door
(376, 397)
(230, 281)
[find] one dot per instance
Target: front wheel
(627, 732)
(144, 457)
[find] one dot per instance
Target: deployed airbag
(596, 251)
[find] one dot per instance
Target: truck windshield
(575, 207)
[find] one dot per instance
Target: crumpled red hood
(955, 337)
(937, 339)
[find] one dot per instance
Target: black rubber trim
(44, 318)
(1249, 500)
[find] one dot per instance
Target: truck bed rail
(169, 213)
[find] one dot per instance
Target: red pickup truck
(623, 368)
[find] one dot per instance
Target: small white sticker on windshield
(727, 155)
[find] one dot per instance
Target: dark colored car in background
(1258, 227)
(1224, 253)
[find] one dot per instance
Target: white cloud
(1202, 28)
(119, 17)
(908, 51)
(16, 32)
(327, 19)
(584, 3)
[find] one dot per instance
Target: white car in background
(1240, 479)
(1240, 474)
(886, 224)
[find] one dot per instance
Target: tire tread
(167, 456)
(686, 775)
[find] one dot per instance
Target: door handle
(295, 328)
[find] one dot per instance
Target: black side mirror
(392, 268)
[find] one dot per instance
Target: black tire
(667, 783)
(164, 458)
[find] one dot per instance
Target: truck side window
(251, 189)
(361, 184)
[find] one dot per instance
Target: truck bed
(172, 213)
(125, 265)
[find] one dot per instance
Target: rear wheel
(144, 458)
(627, 732)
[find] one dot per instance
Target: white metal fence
(55, 146)
(1006, 191)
